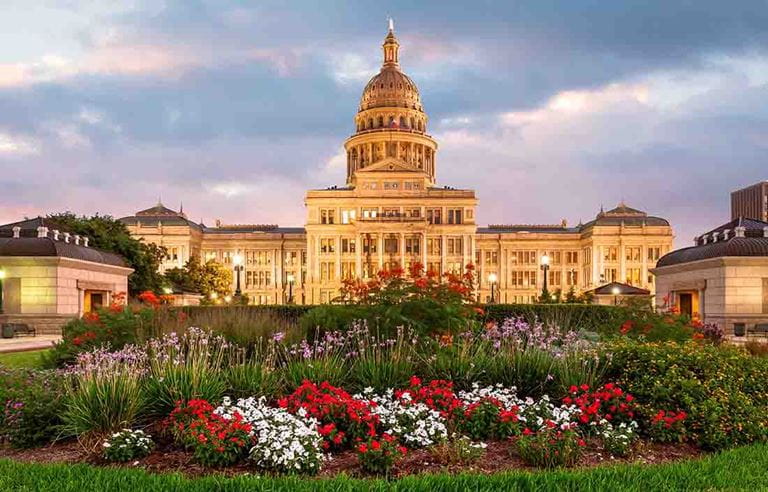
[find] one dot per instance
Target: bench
(11, 330)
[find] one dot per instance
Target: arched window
(402, 122)
(411, 125)
(381, 121)
(370, 123)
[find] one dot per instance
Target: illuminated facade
(391, 212)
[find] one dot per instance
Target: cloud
(17, 145)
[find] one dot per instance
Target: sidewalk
(22, 344)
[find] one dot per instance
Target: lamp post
(616, 291)
(2, 276)
(238, 261)
(290, 278)
(545, 268)
(492, 279)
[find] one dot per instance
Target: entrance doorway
(686, 304)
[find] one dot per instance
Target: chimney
(42, 231)
(725, 234)
(714, 237)
(77, 239)
(85, 241)
(66, 237)
(704, 239)
(740, 230)
(765, 231)
(56, 234)
(16, 232)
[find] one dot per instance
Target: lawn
(736, 469)
(29, 359)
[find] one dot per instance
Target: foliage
(412, 423)
(203, 278)
(617, 439)
(738, 469)
(551, 446)
(30, 407)
(668, 426)
(378, 454)
(721, 389)
(281, 441)
(458, 450)
(608, 402)
(127, 445)
(112, 235)
(114, 327)
(351, 418)
(104, 392)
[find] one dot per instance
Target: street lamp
(545, 267)
(492, 278)
(290, 278)
(616, 291)
(2, 276)
(238, 261)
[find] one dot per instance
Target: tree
(111, 235)
(205, 278)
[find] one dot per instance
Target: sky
(548, 109)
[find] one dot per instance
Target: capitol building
(391, 212)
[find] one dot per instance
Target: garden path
(22, 344)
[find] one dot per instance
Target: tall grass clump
(380, 362)
(323, 359)
(186, 367)
(255, 374)
(104, 392)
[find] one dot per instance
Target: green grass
(29, 359)
(739, 469)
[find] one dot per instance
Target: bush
(722, 390)
(601, 319)
(30, 407)
(127, 445)
(114, 327)
(551, 446)
(458, 451)
(617, 440)
(379, 454)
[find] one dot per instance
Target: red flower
(362, 448)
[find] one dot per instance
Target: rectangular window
(391, 245)
(414, 212)
(327, 271)
(633, 276)
(434, 246)
(369, 244)
(454, 216)
(491, 257)
(610, 275)
(413, 245)
(347, 245)
(347, 216)
(455, 246)
(348, 270)
(370, 213)
(555, 278)
(390, 212)
(327, 245)
(632, 253)
(654, 253)
(434, 216)
(572, 278)
(327, 216)
(434, 268)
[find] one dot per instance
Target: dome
(390, 87)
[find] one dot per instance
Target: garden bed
(499, 457)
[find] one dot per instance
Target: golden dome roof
(390, 87)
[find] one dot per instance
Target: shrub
(458, 451)
(758, 349)
(608, 402)
(488, 418)
(721, 389)
(351, 418)
(618, 439)
(127, 445)
(30, 407)
(551, 446)
(215, 440)
(378, 455)
(668, 426)
(104, 391)
(114, 327)
(413, 423)
(281, 441)
(437, 395)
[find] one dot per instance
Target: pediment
(389, 164)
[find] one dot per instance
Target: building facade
(750, 202)
(722, 279)
(391, 212)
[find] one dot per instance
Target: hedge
(737, 469)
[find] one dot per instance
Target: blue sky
(547, 108)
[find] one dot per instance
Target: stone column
(424, 251)
(359, 255)
(402, 250)
(337, 258)
(380, 241)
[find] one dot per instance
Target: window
(414, 212)
(327, 216)
(347, 270)
(571, 257)
(391, 245)
(522, 279)
(369, 244)
(413, 245)
(632, 253)
(454, 215)
(291, 258)
(347, 216)
(434, 246)
(327, 271)
(609, 275)
(370, 213)
(633, 276)
(347, 245)
(555, 278)
(434, 216)
(327, 245)
(455, 246)
(524, 258)
(454, 267)
(555, 257)
(491, 257)
(390, 212)
(572, 278)
(433, 268)
(654, 252)
(469, 213)
(391, 185)
(610, 253)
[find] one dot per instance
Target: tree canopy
(203, 278)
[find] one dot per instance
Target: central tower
(390, 125)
